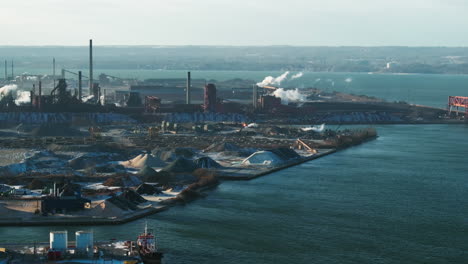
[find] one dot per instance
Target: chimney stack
(53, 69)
(189, 84)
(6, 71)
(80, 86)
(12, 72)
(91, 81)
(39, 104)
(255, 96)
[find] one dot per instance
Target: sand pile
(105, 209)
(144, 160)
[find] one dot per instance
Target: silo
(84, 239)
(59, 240)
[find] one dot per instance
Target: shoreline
(91, 221)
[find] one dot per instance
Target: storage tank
(84, 239)
(59, 240)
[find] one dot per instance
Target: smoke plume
(20, 97)
(7, 89)
(23, 97)
(270, 80)
(288, 96)
(297, 75)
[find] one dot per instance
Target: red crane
(458, 101)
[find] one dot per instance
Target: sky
(235, 22)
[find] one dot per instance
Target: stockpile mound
(167, 154)
(229, 149)
(207, 163)
(105, 209)
(263, 158)
(122, 203)
(123, 181)
(285, 153)
(220, 147)
(274, 131)
(148, 189)
(148, 174)
(55, 130)
(144, 160)
(181, 165)
(184, 152)
(110, 168)
(205, 178)
(92, 159)
(97, 147)
(132, 196)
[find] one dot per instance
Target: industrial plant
(110, 150)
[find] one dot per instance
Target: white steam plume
(288, 96)
(348, 80)
(7, 89)
(270, 80)
(23, 97)
(20, 97)
(297, 75)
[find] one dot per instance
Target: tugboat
(146, 246)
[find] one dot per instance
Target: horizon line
(231, 46)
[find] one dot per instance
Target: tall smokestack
(90, 66)
(12, 71)
(80, 86)
(189, 84)
(255, 96)
(6, 71)
(53, 69)
(39, 104)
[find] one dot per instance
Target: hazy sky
(235, 22)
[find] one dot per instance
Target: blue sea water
(401, 198)
(398, 199)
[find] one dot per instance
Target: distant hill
(338, 59)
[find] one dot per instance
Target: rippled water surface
(399, 199)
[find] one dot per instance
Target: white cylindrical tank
(59, 240)
(84, 239)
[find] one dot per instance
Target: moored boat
(147, 250)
